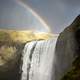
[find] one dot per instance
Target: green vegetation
(74, 73)
(23, 36)
(4, 36)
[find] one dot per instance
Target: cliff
(74, 29)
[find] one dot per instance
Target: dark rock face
(67, 48)
(74, 30)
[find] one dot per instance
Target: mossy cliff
(74, 72)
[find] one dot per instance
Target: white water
(41, 63)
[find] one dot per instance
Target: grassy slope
(23, 36)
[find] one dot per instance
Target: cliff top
(24, 36)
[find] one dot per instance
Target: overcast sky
(58, 14)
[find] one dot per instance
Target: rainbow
(35, 14)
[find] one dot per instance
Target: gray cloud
(71, 2)
(57, 13)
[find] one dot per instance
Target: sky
(58, 14)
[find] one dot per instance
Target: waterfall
(38, 60)
(48, 59)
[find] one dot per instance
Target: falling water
(38, 60)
